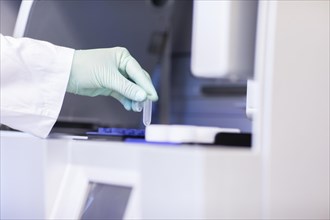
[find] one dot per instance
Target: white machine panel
(223, 40)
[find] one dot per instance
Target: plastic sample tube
(147, 110)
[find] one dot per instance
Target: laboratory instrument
(218, 183)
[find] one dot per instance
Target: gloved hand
(111, 72)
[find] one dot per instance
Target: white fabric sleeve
(34, 77)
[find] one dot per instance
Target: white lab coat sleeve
(34, 77)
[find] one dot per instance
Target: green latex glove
(111, 72)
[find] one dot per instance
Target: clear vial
(147, 111)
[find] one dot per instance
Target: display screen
(105, 201)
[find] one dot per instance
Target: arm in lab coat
(34, 78)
